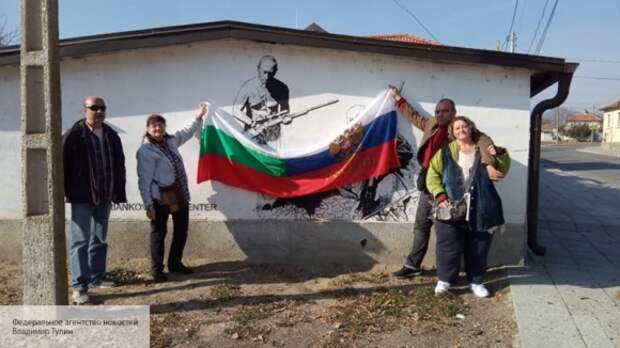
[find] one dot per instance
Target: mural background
(172, 80)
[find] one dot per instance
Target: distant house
(611, 122)
(402, 37)
(549, 132)
(591, 120)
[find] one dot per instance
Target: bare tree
(7, 37)
(559, 115)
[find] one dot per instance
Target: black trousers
(421, 231)
(455, 240)
(180, 223)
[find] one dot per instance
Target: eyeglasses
(96, 107)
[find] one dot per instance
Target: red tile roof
(548, 126)
(584, 118)
(615, 105)
(402, 37)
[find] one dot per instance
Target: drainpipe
(564, 80)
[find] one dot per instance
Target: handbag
(172, 196)
(458, 210)
(454, 212)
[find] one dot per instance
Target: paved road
(571, 296)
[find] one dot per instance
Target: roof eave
(544, 69)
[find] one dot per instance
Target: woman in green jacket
(451, 169)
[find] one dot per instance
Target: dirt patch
(234, 304)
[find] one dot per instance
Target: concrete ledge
(343, 245)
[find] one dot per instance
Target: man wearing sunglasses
(94, 173)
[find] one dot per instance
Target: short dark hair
(449, 101)
(155, 118)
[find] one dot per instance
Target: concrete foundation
(313, 245)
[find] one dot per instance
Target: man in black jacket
(94, 172)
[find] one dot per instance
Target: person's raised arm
(409, 112)
(186, 133)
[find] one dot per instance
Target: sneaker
(159, 277)
(479, 290)
(104, 284)
(80, 298)
(180, 269)
(407, 272)
(441, 287)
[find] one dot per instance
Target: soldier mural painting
(259, 98)
(261, 108)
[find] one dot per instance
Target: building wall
(173, 80)
(611, 126)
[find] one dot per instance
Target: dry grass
(353, 278)
(388, 310)
(247, 316)
(123, 276)
(224, 292)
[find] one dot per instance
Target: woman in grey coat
(162, 181)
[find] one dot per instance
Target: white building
(591, 120)
(611, 122)
(170, 70)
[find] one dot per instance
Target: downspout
(564, 81)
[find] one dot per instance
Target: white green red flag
(364, 150)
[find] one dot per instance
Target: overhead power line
(597, 78)
(590, 60)
(512, 22)
(542, 16)
(397, 2)
(544, 34)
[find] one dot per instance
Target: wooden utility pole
(44, 248)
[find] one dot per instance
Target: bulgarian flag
(365, 149)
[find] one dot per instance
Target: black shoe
(407, 272)
(159, 277)
(180, 269)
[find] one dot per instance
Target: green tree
(581, 132)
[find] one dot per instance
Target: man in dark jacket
(94, 172)
(435, 135)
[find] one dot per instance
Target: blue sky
(583, 31)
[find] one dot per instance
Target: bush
(580, 132)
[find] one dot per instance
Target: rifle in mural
(284, 117)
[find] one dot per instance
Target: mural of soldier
(262, 97)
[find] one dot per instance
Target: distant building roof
(315, 28)
(615, 105)
(584, 117)
(548, 126)
(402, 37)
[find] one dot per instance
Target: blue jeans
(88, 250)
